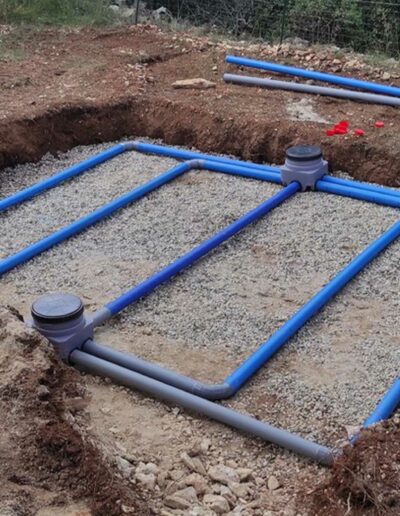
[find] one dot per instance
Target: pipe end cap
(57, 308)
(303, 153)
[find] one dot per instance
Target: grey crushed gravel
(330, 375)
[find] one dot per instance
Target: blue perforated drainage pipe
(246, 370)
(205, 247)
(106, 210)
(316, 76)
(79, 225)
(386, 406)
(250, 366)
(252, 170)
(68, 173)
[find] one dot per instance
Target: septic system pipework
(312, 165)
(73, 336)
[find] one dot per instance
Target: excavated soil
(50, 463)
(78, 87)
(366, 480)
(87, 86)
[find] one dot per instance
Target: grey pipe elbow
(138, 365)
(219, 391)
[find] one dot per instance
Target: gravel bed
(329, 376)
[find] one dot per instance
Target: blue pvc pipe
(88, 220)
(361, 186)
(205, 247)
(356, 193)
(386, 406)
(68, 173)
(172, 152)
(250, 366)
(250, 173)
(316, 76)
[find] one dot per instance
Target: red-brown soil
(87, 86)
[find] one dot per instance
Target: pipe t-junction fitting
(61, 319)
(304, 164)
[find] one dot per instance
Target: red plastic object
(330, 132)
(359, 132)
(340, 129)
(379, 124)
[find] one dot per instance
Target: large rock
(198, 84)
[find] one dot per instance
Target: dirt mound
(48, 460)
(366, 479)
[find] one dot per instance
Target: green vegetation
(363, 25)
(56, 12)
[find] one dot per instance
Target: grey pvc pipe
(207, 391)
(230, 417)
(308, 88)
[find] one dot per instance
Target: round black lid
(57, 308)
(303, 153)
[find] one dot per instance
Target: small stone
(241, 490)
(386, 76)
(43, 392)
(148, 467)
(198, 84)
(173, 487)
(193, 463)
(273, 483)
(223, 474)
(164, 512)
(176, 474)
(162, 479)
(124, 466)
(198, 482)
(175, 502)
(231, 464)
(189, 494)
(205, 445)
(216, 503)
(244, 473)
(228, 495)
(147, 480)
(182, 499)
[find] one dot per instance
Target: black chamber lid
(57, 308)
(304, 153)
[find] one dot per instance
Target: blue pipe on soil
(88, 220)
(316, 76)
(387, 405)
(250, 366)
(205, 247)
(68, 173)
